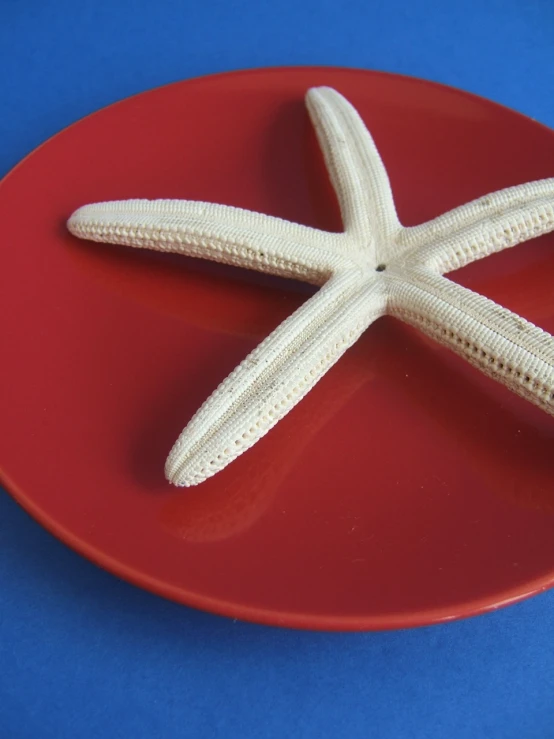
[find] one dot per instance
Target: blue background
(84, 655)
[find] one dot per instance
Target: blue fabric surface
(85, 655)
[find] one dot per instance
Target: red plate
(406, 489)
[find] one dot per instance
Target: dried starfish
(375, 266)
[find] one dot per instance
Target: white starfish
(375, 266)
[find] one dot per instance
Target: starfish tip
(176, 475)
(77, 219)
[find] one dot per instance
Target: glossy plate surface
(406, 489)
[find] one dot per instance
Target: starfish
(374, 267)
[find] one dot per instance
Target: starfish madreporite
(375, 267)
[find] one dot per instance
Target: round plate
(406, 489)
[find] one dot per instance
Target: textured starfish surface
(374, 267)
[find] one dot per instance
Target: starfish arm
(498, 342)
(275, 377)
(217, 232)
(355, 167)
(482, 227)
